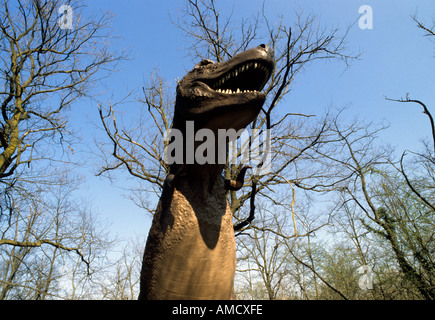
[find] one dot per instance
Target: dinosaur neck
(203, 157)
(191, 247)
(200, 178)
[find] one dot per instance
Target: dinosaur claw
(238, 183)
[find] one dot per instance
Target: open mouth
(250, 76)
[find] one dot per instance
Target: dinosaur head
(227, 94)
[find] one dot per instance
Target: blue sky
(395, 59)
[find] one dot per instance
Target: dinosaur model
(190, 251)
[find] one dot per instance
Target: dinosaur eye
(204, 63)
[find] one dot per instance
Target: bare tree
(44, 68)
(295, 138)
(261, 259)
(214, 37)
(138, 147)
(51, 54)
(121, 279)
(48, 234)
(371, 183)
(408, 209)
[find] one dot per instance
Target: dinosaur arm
(237, 184)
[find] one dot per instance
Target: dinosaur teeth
(229, 91)
(237, 71)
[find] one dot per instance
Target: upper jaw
(246, 72)
(211, 87)
(248, 76)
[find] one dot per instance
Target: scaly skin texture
(191, 248)
(190, 251)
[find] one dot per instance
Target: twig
(292, 203)
(318, 275)
(425, 111)
(411, 186)
(252, 209)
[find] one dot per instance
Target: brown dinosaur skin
(190, 251)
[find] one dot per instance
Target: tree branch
(32, 244)
(425, 111)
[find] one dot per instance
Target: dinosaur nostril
(267, 50)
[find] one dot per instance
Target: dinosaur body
(190, 251)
